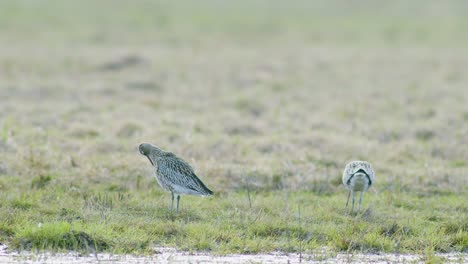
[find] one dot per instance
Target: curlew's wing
(354, 166)
(180, 173)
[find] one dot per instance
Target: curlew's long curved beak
(150, 160)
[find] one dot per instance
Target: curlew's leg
(172, 199)
(352, 207)
(360, 201)
(178, 199)
(349, 194)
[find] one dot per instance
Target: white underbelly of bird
(176, 188)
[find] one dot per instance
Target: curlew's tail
(201, 188)
(206, 192)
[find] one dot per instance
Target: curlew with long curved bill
(358, 176)
(174, 174)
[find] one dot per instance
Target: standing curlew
(173, 173)
(358, 176)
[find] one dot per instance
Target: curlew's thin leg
(349, 194)
(172, 199)
(178, 199)
(352, 208)
(360, 201)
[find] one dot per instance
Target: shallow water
(170, 255)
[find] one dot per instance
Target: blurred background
(280, 93)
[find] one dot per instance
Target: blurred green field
(265, 99)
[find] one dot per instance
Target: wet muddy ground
(169, 255)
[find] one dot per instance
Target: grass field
(267, 101)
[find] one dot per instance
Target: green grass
(278, 220)
(267, 102)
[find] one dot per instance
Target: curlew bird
(358, 176)
(173, 173)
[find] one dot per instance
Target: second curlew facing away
(358, 176)
(173, 173)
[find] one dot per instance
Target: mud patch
(170, 255)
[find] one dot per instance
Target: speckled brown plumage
(173, 173)
(358, 176)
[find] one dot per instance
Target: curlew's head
(150, 151)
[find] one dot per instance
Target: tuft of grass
(129, 130)
(424, 135)
(21, 204)
(57, 236)
(40, 182)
